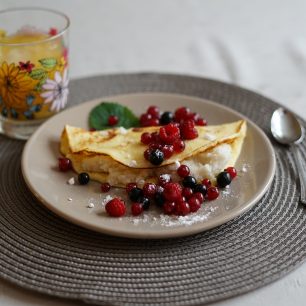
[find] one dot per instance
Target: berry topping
(145, 202)
(200, 188)
(112, 120)
(156, 157)
(83, 178)
(159, 199)
(144, 119)
(183, 170)
(169, 207)
(199, 196)
(130, 186)
(166, 118)
(149, 190)
(153, 111)
(64, 164)
(181, 113)
(189, 181)
(168, 151)
(206, 182)
(212, 193)
(194, 204)
(201, 122)
(163, 179)
(115, 207)
(169, 133)
(188, 130)
(223, 179)
(179, 146)
(146, 138)
(182, 208)
(172, 191)
(153, 122)
(146, 154)
(135, 194)
(105, 187)
(136, 209)
(187, 192)
(232, 172)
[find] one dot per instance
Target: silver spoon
(287, 130)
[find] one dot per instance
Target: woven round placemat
(40, 251)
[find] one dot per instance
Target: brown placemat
(42, 252)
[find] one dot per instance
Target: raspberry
(154, 111)
(182, 208)
(149, 190)
(201, 122)
(115, 207)
(163, 179)
(130, 186)
(169, 133)
(179, 146)
(232, 172)
(212, 193)
(188, 130)
(168, 151)
(194, 204)
(199, 196)
(183, 170)
(192, 116)
(136, 209)
(181, 113)
(64, 164)
(169, 207)
(187, 192)
(155, 145)
(206, 182)
(146, 138)
(112, 120)
(155, 137)
(105, 187)
(172, 191)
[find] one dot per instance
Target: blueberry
(135, 194)
(145, 202)
(159, 199)
(156, 157)
(166, 118)
(189, 181)
(223, 179)
(200, 188)
(83, 178)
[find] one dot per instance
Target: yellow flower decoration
(14, 86)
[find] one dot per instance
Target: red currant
(206, 182)
(136, 209)
(146, 154)
(130, 186)
(232, 171)
(201, 122)
(187, 192)
(146, 138)
(115, 207)
(105, 187)
(152, 122)
(183, 170)
(199, 196)
(182, 208)
(179, 146)
(168, 151)
(112, 120)
(169, 207)
(181, 113)
(212, 193)
(194, 204)
(154, 111)
(188, 130)
(144, 118)
(149, 190)
(64, 164)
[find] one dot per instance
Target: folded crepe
(116, 155)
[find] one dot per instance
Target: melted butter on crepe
(116, 155)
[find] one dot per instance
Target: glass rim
(60, 33)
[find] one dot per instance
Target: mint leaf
(98, 117)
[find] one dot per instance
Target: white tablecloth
(258, 44)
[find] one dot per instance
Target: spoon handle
(301, 169)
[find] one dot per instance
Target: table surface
(260, 45)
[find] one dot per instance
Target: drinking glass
(33, 68)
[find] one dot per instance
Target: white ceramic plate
(256, 166)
